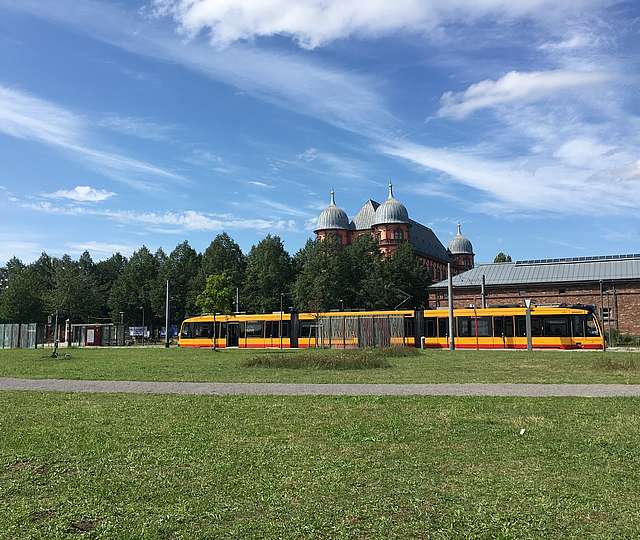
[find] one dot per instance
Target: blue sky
(123, 123)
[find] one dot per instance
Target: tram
(553, 327)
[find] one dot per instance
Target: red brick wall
(622, 299)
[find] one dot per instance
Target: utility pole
(452, 344)
(527, 303)
(166, 319)
(281, 298)
(237, 300)
(484, 293)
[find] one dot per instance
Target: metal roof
(426, 242)
(391, 211)
(538, 271)
(332, 217)
(366, 215)
(460, 244)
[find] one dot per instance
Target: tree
(21, 300)
(502, 258)
(217, 296)
(224, 256)
(107, 273)
(73, 290)
(181, 269)
(135, 288)
(323, 280)
(268, 274)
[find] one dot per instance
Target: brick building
(390, 225)
(610, 283)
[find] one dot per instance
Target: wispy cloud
(173, 222)
(81, 194)
(138, 127)
(514, 87)
(25, 116)
(103, 248)
(312, 23)
(260, 184)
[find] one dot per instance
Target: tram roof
(542, 271)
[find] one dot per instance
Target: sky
(132, 122)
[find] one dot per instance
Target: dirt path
(301, 389)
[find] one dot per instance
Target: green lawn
(157, 364)
(126, 466)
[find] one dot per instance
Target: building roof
(540, 271)
(366, 215)
(332, 217)
(391, 211)
(426, 242)
(460, 245)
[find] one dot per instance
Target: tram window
(556, 326)
(254, 329)
(202, 330)
(222, 330)
(484, 326)
(443, 327)
(577, 324)
(464, 327)
(409, 326)
(187, 330)
(503, 326)
(537, 326)
(308, 329)
(241, 330)
(430, 328)
(591, 328)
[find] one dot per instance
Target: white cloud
(101, 248)
(583, 152)
(515, 86)
(313, 23)
(137, 127)
(81, 194)
(27, 117)
(576, 41)
(260, 184)
(174, 222)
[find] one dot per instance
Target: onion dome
(391, 211)
(332, 217)
(460, 245)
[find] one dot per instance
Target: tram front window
(591, 328)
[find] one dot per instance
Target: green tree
(502, 258)
(217, 296)
(224, 256)
(135, 288)
(181, 269)
(323, 280)
(21, 300)
(107, 273)
(74, 292)
(268, 274)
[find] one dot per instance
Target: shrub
(326, 359)
(612, 362)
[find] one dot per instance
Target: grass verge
(157, 364)
(339, 359)
(152, 467)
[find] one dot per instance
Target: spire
(333, 198)
(459, 231)
(390, 190)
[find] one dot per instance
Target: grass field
(157, 364)
(122, 466)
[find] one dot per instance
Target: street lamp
(142, 309)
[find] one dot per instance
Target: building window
(607, 314)
(398, 234)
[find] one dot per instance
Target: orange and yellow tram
(553, 327)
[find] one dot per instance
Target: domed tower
(391, 224)
(333, 220)
(461, 252)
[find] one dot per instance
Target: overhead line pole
(452, 344)
(166, 319)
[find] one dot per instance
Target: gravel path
(301, 389)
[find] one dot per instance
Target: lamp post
(281, 308)
(142, 309)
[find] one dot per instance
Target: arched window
(398, 234)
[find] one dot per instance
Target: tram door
(233, 334)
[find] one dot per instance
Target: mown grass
(157, 364)
(156, 467)
(340, 359)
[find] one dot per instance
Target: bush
(329, 359)
(613, 362)
(616, 339)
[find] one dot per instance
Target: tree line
(323, 275)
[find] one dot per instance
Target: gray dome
(332, 217)
(391, 211)
(366, 216)
(460, 245)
